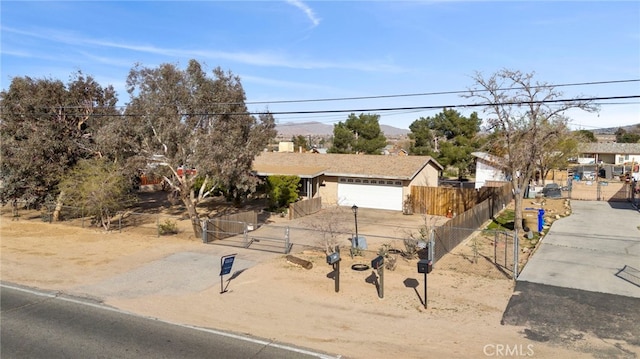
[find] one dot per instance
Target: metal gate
(478, 246)
(246, 235)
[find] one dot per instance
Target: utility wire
(438, 93)
(384, 109)
(404, 95)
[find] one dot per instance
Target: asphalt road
(44, 325)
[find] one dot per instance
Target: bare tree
(527, 117)
(330, 222)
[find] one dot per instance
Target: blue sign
(226, 263)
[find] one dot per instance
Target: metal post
(205, 227)
(515, 254)
(432, 245)
(355, 215)
(495, 247)
(381, 272)
(245, 235)
(286, 240)
(425, 290)
(336, 271)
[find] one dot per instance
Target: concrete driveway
(596, 248)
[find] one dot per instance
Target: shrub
(168, 227)
(282, 190)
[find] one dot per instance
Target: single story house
(368, 181)
(609, 153)
(489, 170)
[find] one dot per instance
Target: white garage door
(380, 194)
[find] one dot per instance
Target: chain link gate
(477, 249)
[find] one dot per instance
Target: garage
(370, 193)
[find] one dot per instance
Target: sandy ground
(173, 278)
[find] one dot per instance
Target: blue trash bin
(540, 219)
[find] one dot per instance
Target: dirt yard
(162, 277)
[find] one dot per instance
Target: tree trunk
(193, 215)
(520, 188)
(58, 208)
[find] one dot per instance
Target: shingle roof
(372, 166)
(610, 148)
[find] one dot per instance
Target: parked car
(552, 190)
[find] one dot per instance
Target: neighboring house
(285, 146)
(489, 170)
(393, 150)
(368, 181)
(609, 153)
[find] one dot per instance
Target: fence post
(120, 223)
(245, 235)
(495, 247)
(158, 225)
(205, 229)
(286, 240)
(515, 255)
(432, 244)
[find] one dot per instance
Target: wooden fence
(440, 201)
(453, 232)
(305, 207)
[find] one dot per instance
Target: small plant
(390, 260)
(411, 248)
(476, 246)
(168, 227)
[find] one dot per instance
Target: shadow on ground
(563, 316)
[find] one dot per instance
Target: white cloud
(258, 58)
(307, 10)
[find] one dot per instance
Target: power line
(437, 93)
(368, 110)
(608, 82)
(448, 106)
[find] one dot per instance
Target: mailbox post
(378, 264)
(333, 259)
(425, 266)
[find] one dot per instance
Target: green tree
(196, 122)
(422, 138)
(526, 118)
(99, 187)
(300, 141)
(447, 136)
(48, 126)
(282, 190)
(585, 136)
(622, 136)
(358, 134)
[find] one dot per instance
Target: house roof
(348, 165)
(489, 158)
(610, 148)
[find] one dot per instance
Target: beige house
(368, 181)
(611, 153)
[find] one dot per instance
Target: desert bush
(168, 227)
(282, 190)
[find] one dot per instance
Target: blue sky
(309, 50)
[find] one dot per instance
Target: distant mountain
(612, 130)
(289, 129)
